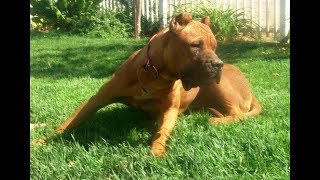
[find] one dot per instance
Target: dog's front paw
(158, 149)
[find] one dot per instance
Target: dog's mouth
(203, 75)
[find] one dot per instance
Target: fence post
(275, 17)
(237, 5)
(137, 18)
(163, 10)
(267, 18)
(244, 8)
(259, 15)
(151, 11)
(284, 18)
(147, 10)
(252, 12)
(156, 10)
(143, 8)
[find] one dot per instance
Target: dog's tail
(255, 108)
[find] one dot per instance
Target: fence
(272, 16)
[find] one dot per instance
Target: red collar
(147, 67)
(149, 64)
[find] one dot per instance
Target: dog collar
(149, 64)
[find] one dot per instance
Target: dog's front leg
(166, 123)
(102, 98)
(112, 89)
(168, 116)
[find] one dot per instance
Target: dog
(177, 70)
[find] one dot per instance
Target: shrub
(82, 17)
(60, 13)
(149, 28)
(103, 24)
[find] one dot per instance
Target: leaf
(62, 5)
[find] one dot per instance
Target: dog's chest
(145, 95)
(148, 99)
(144, 102)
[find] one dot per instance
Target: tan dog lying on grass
(178, 69)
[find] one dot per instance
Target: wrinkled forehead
(197, 31)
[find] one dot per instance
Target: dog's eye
(196, 44)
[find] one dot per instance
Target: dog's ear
(179, 22)
(206, 20)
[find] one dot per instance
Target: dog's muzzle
(201, 73)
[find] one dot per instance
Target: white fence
(272, 16)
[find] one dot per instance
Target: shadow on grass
(114, 126)
(87, 61)
(266, 51)
(100, 61)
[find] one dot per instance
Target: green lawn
(114, 143)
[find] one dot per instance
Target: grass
(114, 143)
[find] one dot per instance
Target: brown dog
(176, 70)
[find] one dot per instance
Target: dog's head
(193, 47)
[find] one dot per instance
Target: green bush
(149, 28)
(103, 24)
(61, 13)
(82, 17)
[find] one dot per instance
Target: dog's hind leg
(234, 115)
(215, 113)
(255, 107)
(226, 120)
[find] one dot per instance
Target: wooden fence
(272, 16)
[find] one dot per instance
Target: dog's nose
(217, 63)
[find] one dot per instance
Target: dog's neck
(153, 62)
(157, 53)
